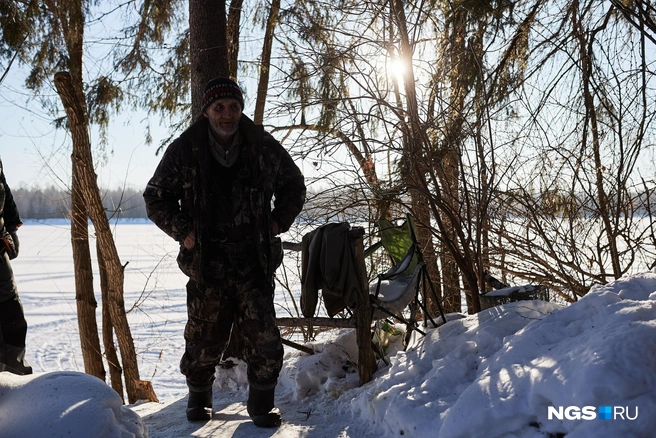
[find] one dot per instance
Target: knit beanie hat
(221, 88)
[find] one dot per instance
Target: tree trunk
(78, 122)
(265, 62)
(113, 363)
(208, 47)
(448, 168)
(421, 211)
(84, 294)
(366, 358)
(416, 143)
(585, 39)
(232, 37)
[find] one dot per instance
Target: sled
(504, 293)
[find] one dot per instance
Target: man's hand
(14, 236)
(275, 229)
(10, 244)
(190, 240)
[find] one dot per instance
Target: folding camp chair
(399, 287)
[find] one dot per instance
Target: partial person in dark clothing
(212, 192)
(13, 327)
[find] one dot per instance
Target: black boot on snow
(199, 405)
(259, 407)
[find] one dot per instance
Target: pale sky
(35, 154)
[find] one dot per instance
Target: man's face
(224, 115)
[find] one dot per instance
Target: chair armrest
(396, 270)
(372, 248)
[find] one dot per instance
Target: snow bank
(64, 404)
(496, 373)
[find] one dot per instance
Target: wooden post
(366, 358)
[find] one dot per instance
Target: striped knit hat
(221, 88)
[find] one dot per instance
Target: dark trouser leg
(13, 327)
(257, 321)
(264, 351)
(206, 334)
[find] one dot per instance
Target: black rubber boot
(199, 405)
(260, 405)
(14, 360)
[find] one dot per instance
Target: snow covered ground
(527, 369)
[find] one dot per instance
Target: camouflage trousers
(212, 309)
(13, 327)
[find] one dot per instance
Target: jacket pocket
(189, 262)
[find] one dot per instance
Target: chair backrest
(399, 241)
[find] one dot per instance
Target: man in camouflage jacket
(212, 192)
(13, 327)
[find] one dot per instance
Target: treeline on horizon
(336, 204)
(53, 203)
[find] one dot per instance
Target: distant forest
(52, 203)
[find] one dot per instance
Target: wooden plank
(316, 322)
(293, 246)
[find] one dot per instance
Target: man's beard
(223, 132)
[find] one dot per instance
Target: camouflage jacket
(9, 218)
(177, 198)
